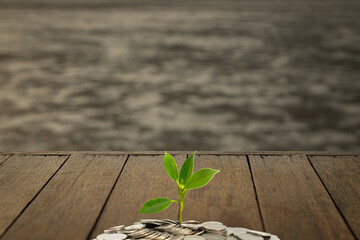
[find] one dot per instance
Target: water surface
(155, 75)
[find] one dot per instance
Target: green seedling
(185, 180)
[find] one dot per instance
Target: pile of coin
(167, 229)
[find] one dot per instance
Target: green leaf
(170, 167)
(186, 170)
(201, 178)
(156, 205)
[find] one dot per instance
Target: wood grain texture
(21, 178)
(71, 202)
(341, 176)
(4, 157)
(229, 197)
(293, 201)
(143, 178)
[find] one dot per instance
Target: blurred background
(179, 75)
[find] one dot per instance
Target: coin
(261, 234)
(134, 227)
(151, 221)
(115, 236)
(231, 238)
(239, 231)
(214, 226)
(166, 226)
(163, 236)
(140, 233)
(199, 231)
(194, 238)
(179, 237)
(230, 230)
(191, 225)
(191, 222)
(248, 236)
(154, 235)
(213, 236)
(117, 228)
(170, 221)
(183, 231)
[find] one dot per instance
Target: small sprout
(185, 180)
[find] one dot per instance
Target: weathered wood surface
(21, 178)
(3, 158)
(293, 200)
(60, 195)
(69, 205)
(346, 193)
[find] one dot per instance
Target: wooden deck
(76, 195)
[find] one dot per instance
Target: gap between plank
(332, 199)
(28, 204)
(5, 160)
(107, 199)
(256, 195)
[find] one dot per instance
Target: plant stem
(180, 202)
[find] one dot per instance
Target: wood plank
(293, 201)
(21, 178)
(322, 153)
(71, 202)
(341, 176)
(4, 157)
(228, 198)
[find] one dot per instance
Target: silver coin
(183, 231)
(273, 237)
(111, 237)
(230, 230)
(212, 236)
(166, 226)
(179, 237)
(163, 236)
(191, 225)
(151, 221)
(172, 237)
(239, 231)
(170, 221)
(199, 231)
(191, 222)
(248, 236)
(140, 233)
(134, 227)
(261, 234)
(231, 238)
(214, 226)
(153, 235)
(212, 222)
(117, 228)
(194, 238)
(109, 231)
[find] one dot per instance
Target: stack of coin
(214, 227)
(167, 229)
